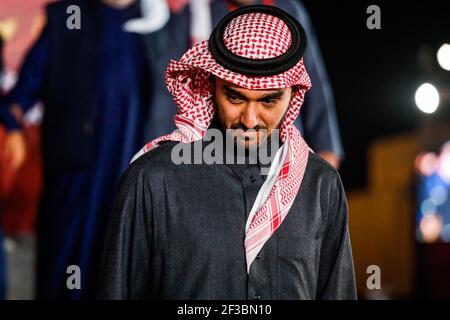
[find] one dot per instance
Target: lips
(250, 134)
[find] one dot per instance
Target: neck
(118, 4)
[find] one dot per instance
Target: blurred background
(391, 95)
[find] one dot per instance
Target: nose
(249, 117)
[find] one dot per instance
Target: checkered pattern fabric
(269, 36)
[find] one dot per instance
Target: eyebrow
(272, 95)
(231, 91)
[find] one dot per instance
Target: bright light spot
(439, 195)
(426, 163)
(444, 162)
(445, 234)
(443, 56)
(431, 226)
(427, 98)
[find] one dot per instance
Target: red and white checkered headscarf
(254, 36)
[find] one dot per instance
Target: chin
(247, 145)
(250, 144)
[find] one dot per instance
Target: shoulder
(328, 186)
(154, 162)
(158, 155)
(323, 180)
(317, 166)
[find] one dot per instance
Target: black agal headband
(258, 67)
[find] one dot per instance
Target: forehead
(220, 83)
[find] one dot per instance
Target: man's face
(241, 109)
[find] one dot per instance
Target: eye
(269, 101)
(234, 99)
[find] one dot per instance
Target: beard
(248, 138)
(263, 143)
(257, 137)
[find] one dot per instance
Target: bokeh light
(445, 233)
(426, 163)
(443, 56)
(439, 195)
(427, 98)
(444, 162)
(430, 227)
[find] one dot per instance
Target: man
(225, 231)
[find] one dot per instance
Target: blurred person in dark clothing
(93, 82)
(2, 252)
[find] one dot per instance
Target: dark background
(375, 73)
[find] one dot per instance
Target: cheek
(284, 109)
(273, 117)
(229, 112)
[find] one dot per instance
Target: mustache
(237, 126)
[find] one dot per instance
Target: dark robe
(177, 232)
(77, 199)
